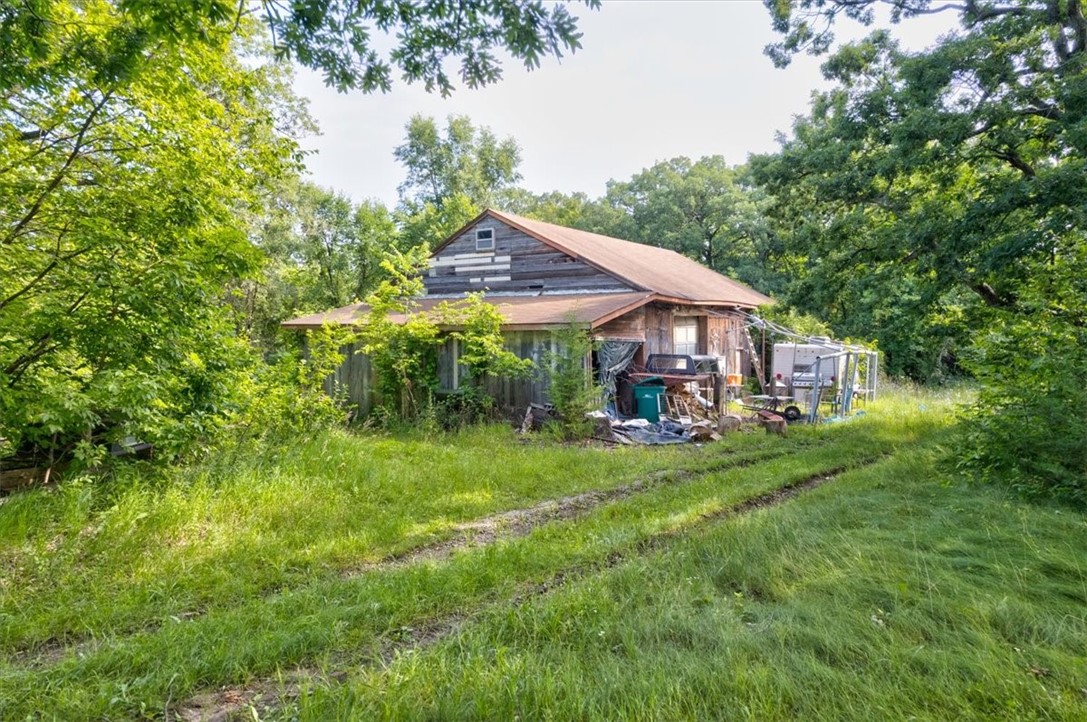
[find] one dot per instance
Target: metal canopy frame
(857, 357)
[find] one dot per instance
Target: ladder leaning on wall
(755, 360)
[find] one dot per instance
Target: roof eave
(702, 302)
(633, 306)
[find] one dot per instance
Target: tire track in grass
(472, 534)
(267, 695)
(521, 522)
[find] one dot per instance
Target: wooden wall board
(518, 263)
(355, 378)
(630, 326)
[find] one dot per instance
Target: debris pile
(678, 399)
(685, 416)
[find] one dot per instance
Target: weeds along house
(634, 300)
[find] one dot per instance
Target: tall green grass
(256, 546)
(92, 558)
(335, 621)
(894, 593)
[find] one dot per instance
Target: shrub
(1028, 427)
(405, 354)
(288, 397)
(466, 406)
(570, 382)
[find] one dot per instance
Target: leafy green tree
(958, 174)
(139, 140)
(700, 209)
(341, 38)
(575, 210)
(430, 224)
(377, 232)
(570, 382)
(123, 198)
(465, 161)
(314, 232)
(477, 326)
(403, 341)
(964, 164)
(1028, 428)
(321, 250)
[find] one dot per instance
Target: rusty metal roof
(520, 312)
(657, 273)
(666, 273)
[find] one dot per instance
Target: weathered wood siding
(447, 367)
(658, 331)
(719, 335)
(517, 263)
(519, 393)
(512, 394)
(725, 337)
(354, 379)
(628, 327)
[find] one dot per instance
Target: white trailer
(844, 373)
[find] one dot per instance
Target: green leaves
(403, 341)
(477, 327)
(570, 383)
(465, 161)
(937, 197)
(702, 210)
(343, 39)
(122, 192)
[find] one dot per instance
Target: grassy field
(335, 579)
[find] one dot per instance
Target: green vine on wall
(403, 341)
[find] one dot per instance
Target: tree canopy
(965, 162)
(463, 161)
(344, 39)
(152, 219)
(940, 195)
(700, 209)
(124, 201)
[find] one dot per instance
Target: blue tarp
(664, 432)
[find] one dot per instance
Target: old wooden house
(635, 300)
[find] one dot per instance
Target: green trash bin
(647, 398)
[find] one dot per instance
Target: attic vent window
(484, 239)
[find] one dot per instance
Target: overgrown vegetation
(1028, 427)
(123, 600)
(570, 382)
(123, 193)
(938, 196)
(155, 230)
(288, 398)
(927, 199)
(886, 594)
(403, 341)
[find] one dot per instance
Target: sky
(653, 80)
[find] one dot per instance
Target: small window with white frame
(484, 239)
(685, 335)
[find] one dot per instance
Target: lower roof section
(519, 312)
